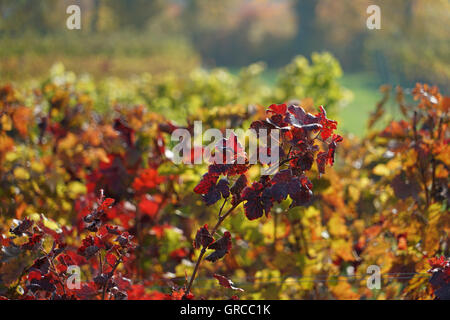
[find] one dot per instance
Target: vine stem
(61, 282)
(221, 218)
(110, 275)
(139, 240)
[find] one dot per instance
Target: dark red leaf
(208, 180)
(22, 227)
(41, 264)
(33, 241)
(237, 188)
(111, 258)
(108, 202)
(126, 131)
(321, 160)
(225, 282)
(253, 207)
(261, 125)
(278, 108)
(405, 187)
(328, 126)
(221, 247)
(301, 116)
(216, 192)
(203, 237)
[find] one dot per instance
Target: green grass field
(365, 94)
(364, 87)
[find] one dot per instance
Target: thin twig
(110, 275)
(203, 251)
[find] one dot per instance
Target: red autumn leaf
(236, 168)
(402, 244)
(300, 120)
(108, 202)
(284, 183)
(179, 253)
(332, 148)
(148, 179)
(111, 258)
(221, 247)
(260, 125)
(4, 241)
(278, 108)
(41, 264)
(216, 192)
(87, 291)
(225, 282)
(33, 241)
(304, 161)
(89, 247)
(22, 227)
(328, 126)
(203, 237)
(34, 275)
(301, 116)
(278, 121)
(396, 130)
(126, 131)
(158, 230)
(438, 262)
(61, 268)
(253, 207)
(112, 229)
(74, 258)
(148, 207)
(237, 188)
(208, 180)
(321, 160)
(228, 169)
(179, 295)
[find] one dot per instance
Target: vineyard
(93, 205)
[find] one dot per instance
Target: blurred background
(123, 38)
(90, 109)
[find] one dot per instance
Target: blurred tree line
(412, 44)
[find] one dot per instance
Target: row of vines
(99, 191)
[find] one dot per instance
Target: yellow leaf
(381, 170)
(37, 167)
(21, 173)
(75, 189)
(6, 123)
(337, 226)
(68, 142)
